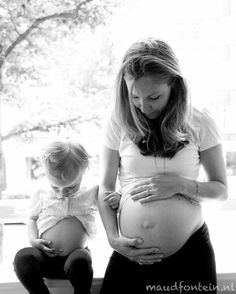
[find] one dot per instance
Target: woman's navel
(147, 224)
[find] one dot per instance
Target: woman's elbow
(223, 196)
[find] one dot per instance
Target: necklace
(156, 159)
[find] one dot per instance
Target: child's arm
(32, 230)
(34, 212)
(33, 236)
(113, 199)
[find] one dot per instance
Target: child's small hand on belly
(66, 236)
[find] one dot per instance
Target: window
(61, 82)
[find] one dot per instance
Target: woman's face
(149, 93)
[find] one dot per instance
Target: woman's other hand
(127, 247)
(160, 187)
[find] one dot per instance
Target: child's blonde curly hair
(65, 157)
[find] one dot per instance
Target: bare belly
(166, 224)
(68, 235)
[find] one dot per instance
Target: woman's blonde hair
(64, 157)
(169, 133)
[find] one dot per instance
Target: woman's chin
(153, 115)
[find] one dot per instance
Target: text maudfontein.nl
(182, 287)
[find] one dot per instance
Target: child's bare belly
(68, 235)
(166, 224)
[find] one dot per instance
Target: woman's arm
(109, 164)
(215, 188)
(165, 186)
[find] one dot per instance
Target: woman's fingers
(149, 256)
(147, 252)
(143, 255)
(146, 192)
(134, 251)
(141, 195)
(149, 199)
(143, 261)
(142, 187)
(128, 248)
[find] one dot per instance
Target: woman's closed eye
(154, 98)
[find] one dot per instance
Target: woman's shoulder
(201, 116)
(204, 128)
(112, 131)
(111, 117)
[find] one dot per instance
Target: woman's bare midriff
(166, 224)
(68, 235)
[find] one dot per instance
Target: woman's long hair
(169, 133)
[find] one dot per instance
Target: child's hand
(46, 247)
(113, 199)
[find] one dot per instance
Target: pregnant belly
(166, 224)
(68, 235)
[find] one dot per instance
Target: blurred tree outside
(56, 66)
(231, 162)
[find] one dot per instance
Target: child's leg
(78, 269)
(28, 265)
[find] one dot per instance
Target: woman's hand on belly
(127, 247)
(161, 187)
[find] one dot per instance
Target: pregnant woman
(156, 142)
(60, 224)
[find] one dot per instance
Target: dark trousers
(32, 266)
(190, 270)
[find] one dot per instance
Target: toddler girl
(60, 223)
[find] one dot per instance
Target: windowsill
(61, 286)
(226, 283)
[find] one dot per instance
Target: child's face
(65, 188)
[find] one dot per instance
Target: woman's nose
(145, 107)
